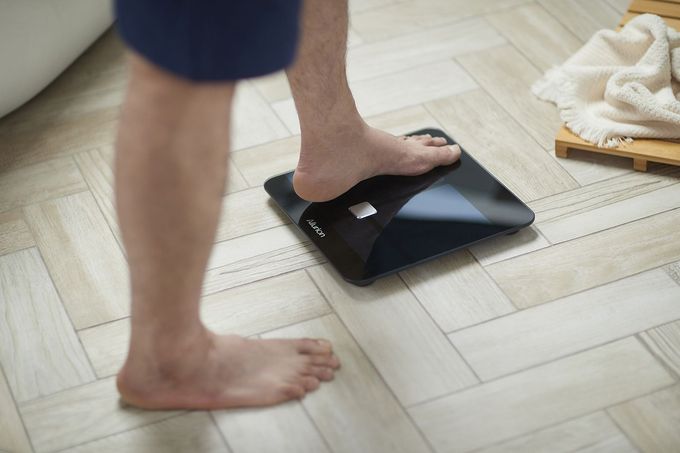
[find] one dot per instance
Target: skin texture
(170, 169)
(338, 148)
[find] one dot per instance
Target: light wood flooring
(565, 337)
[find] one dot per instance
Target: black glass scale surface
(389, 223)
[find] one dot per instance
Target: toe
(454, 153)
(438, 141)
(445, 155)
(291, 392)
(323, 373)
(422, 138)
(330, 361)
(314, 346)
(310, 383)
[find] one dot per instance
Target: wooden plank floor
(565, 337)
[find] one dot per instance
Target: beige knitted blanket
(620, 85)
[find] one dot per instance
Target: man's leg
(338, 148)
(171, 163)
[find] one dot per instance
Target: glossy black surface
(418, 218)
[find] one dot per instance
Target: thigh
(210, 40)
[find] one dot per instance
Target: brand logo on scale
(317, 229)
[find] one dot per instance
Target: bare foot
(332, 164)
(216, 372)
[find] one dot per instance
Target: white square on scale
(362, 210)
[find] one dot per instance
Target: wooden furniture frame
(641, 151)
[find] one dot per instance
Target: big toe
(444, 155)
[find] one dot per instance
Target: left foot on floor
(224, 371)
(331, 165)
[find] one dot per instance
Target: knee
(147, 78)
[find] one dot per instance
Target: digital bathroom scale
(388, 223)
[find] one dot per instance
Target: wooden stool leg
(561, 150)
(640, 164)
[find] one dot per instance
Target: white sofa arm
(40, 38)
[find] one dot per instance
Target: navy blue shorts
(212, 40)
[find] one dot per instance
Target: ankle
(345, 130)
(164, 350)
(334, 121)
